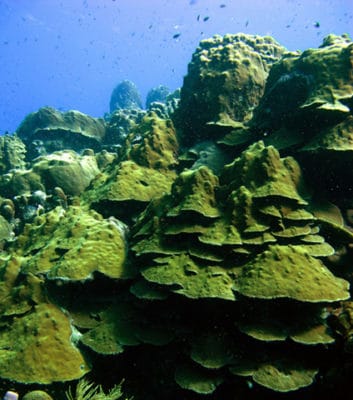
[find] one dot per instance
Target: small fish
(246, 23)
(206, 19)
(198, 17)
(317, 24)
(176, 35)
(222, 6)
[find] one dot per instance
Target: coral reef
(320, 83)
(167, 108)
(248, 235)
(197, 249)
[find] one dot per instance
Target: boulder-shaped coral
(66, 169)
(307, 108)
(225, 81)
(259, 201)
(125, 96)
(194, 192)
(48, 130)
(289, 271)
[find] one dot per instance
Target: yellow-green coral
(37, 348)
(287, 271)
(74, 244)
(259, 242)
(225, 81)
(158, 145)
(194, 191)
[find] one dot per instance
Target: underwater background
(71, 54)
(176, 200)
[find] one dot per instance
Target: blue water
(70, 54)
